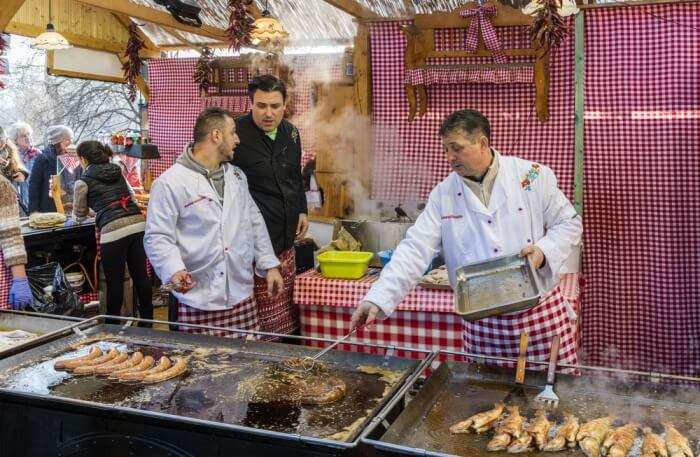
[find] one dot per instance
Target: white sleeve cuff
(380, 300)
(265, 263)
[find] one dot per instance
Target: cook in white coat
(204, 231)
(489, 206)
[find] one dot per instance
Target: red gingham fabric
(243, 316)
(312, 288)
(431, 331)
(642, 208)
(431, 76)
(175, 102)
(69, 161)
(278, 315)
(237, 104)
(500, 336)
(479, 22)
(408, 157)
(424, 319)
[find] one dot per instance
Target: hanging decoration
(204, 72)
(240, 24)
(549, 28)
(132, 66)
(480, 22)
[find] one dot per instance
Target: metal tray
(456, 390)
(171, 403)
(45, 326)
(496, 286)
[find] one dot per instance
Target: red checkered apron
(278, 315)
(500, 335)
(242, 316)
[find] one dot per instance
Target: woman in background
(22, 135)
(103, 189)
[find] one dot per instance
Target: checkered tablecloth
(408, 156)
(424, 320)
(642, 208)
(175, 102)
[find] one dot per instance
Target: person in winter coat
(22, 135)
(59, 138)
(14, 255)
(103, 189)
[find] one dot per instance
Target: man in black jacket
(270, 155)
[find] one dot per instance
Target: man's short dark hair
(267, 83)
(468, 121)
(208, 120)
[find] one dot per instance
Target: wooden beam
(362, 77)
(77, 40)
(353, 8)
(8, 11)
(154, 16)
(126, 22)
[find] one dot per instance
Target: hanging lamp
(268, 32)
(50, 40)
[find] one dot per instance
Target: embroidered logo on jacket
(530, 176)
(295, 135)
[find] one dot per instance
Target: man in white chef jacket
(489, 206)
(204, 232)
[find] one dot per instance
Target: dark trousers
(115, 255)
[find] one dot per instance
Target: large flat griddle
(456, 390)
(211, 391)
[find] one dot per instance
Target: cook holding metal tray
(490, 208)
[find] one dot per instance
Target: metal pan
(45, 326)
(496, 286)
(456, 390)
(190, 389)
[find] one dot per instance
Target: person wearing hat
(59, 137)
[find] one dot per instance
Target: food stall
(609, 101)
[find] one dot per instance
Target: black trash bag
(59, 298)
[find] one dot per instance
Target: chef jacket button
(226, 249)
(495, 249)
(489, 221)
(221, 273)
(520, 209)
(459, 194)
(528, 240)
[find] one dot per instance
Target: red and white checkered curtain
(175, 101)
(642, 203)
(408, 157)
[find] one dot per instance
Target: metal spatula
(547, 398)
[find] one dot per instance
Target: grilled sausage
(69, 364)
(144, 365)
(163, 364)
(90, 366)
(124, 362)
(176, 370)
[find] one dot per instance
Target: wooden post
(363, 74)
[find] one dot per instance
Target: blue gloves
(20, 294)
